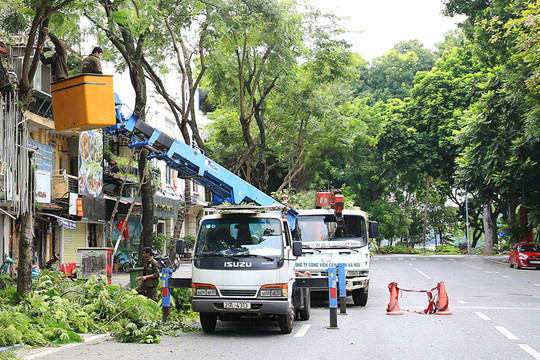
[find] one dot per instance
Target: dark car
(525, 255)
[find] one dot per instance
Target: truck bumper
(356, 283)
(256, 306)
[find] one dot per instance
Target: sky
(377, 25)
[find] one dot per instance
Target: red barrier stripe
(164, 292)
(333, 293)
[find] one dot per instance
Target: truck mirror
(373, 229)
(297, 248)
(180, 247)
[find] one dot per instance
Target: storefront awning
(66, 223)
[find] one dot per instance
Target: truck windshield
(315, 228)
(237, 237)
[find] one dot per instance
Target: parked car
(525, 255)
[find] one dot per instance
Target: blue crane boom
(188, 161)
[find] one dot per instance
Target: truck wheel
(306, 311)
(286, 321)
(360, 297)
(208, 322)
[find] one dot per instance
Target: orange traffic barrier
(393, 306)
(442, 302)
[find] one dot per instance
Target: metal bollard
(332, 292)
(342, 289)
(165, 293)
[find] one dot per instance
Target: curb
(10, 348)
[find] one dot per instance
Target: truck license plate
(236, 305)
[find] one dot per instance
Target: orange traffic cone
(442, 302)
(393, 306)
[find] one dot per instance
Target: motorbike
(4, 269)
(69, 268)
(162, 260)
(131, 263)
(49, 264)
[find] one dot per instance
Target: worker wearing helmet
(285, 201)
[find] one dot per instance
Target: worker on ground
(92, 63)
(58, 61)
(150, 276)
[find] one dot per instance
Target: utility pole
(428, 178)
(467, 223)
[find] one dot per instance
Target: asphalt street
(495, 315)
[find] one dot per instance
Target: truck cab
(328, 240)
(244, 265)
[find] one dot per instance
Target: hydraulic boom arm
(188, 161)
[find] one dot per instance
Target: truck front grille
(244, 293)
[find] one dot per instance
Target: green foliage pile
(60, 309)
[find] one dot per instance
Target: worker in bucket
(285, 201)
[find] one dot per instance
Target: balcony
(64, 184)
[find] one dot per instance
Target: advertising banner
(91, 163)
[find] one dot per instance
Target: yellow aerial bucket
(83, 102)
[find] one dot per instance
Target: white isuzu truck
(331, 236)
(244, 265)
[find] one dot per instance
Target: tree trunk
(147, 204)
(180, 219)
(488, 229)
(24, 267)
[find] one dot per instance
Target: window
(315, 228)
(246, 236)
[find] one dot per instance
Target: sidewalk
(121, 278)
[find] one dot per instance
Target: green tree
(500, 135)
(28, 18)
(391, 76)
(127, 25)
(284, 86)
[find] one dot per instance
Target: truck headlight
(274, 290)
(523, 256)
(203, 290)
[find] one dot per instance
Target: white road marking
(491, 272)
(478, 267)
(535, 354)
(506, 276)
(497, 308)
(537, 284)
(439, 259)
(400, 258)
(461, 302)
(482, 316)
(506, 333)
(303, 330)
(388, 259)
(413, 259)
(52, 351)
(423, 273)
